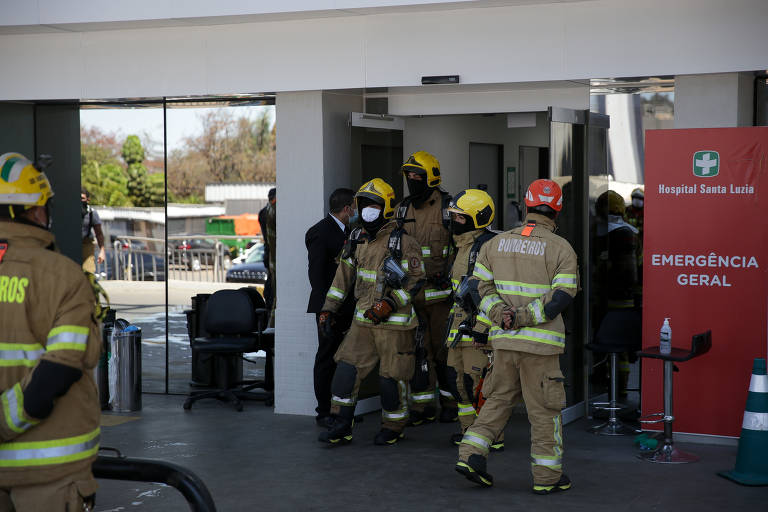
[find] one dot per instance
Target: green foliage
(132, 151)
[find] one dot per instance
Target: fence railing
(186, 257)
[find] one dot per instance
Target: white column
(714, 101)
(300, 203)
(313, 159)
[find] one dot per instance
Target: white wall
(544, 42)
(714, 101)
(299, 205)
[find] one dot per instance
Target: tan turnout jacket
(362, 274)
(46, 313)
(434, 241)
(464, 244)
(524, 272)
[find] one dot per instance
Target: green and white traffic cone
(752, 459)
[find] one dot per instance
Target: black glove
(326, 322)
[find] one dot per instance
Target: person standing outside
(425, 218)
(527, 277)
(91, 224)
(49, 428)
(383, 280)
(324, 242)
(268, 224)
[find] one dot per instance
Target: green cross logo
(706, 164)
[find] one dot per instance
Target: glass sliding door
(578, 163)
(123, 170)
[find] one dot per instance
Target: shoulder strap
(395, 243)
(473, 252)
(402, 210)
(350, 244)
(528, 229)
(446, 214)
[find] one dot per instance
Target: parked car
(142, 265)
(195, 252)
(252, 271)
(252, 246)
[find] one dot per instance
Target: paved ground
(256, 460)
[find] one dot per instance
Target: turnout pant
(65, 495)
(538, 379)
(358, 354)
(422, 393)
(468, 363)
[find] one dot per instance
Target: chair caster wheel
(187, 405)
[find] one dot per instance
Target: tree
(142, 191)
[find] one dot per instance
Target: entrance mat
(110, 420)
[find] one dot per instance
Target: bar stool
(619, 332)
(667, 453)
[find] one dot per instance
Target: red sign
(705, 266)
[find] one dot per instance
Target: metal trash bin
(101, 376)
(124, 369)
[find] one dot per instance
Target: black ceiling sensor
(444, 79)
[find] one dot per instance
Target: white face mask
(370, 214)
(637, 203)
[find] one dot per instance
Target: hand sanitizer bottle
(665, 340)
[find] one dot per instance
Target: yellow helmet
(610, 203)
(22, 184)
(425, 164)
(379, 191)
(476, 204)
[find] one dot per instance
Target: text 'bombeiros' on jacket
(528, 270)
(47, 319)
(362, 274)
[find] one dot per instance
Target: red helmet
(544, 192)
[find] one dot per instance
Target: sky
(147, 123)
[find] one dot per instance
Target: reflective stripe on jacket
(464, 244)
(524, 272)
(47, 313)
(361, 273)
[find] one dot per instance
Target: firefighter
(616, 285)
(49, 429)
(472, 211)
(383, 280)
(426, 218)
(635, 213)
(528, 276)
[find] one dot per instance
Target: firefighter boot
(449, 414)
(456, 438)
(387, 437)
(475, 470)
(422, 417)
(340, 432)
(562, 485)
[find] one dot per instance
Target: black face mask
(459, 229)
(418, 189)
(83, 208)
(373, 227)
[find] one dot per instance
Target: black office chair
(620, 331)
(233, 327)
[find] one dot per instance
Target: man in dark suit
(324, 242)
(268, 292)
